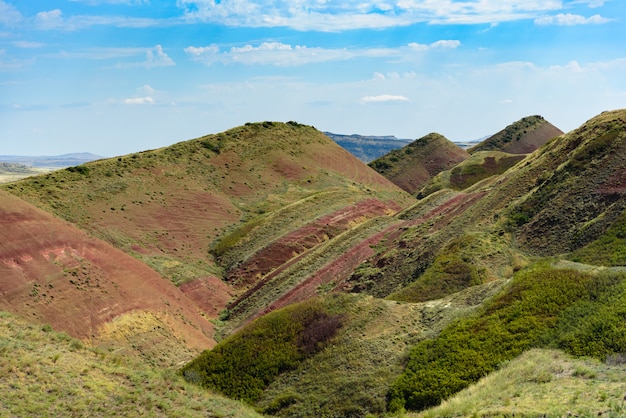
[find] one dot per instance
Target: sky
(112, 77)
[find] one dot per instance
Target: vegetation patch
(47, 373)
(450, 272)
(608, 250)
(542, 383)
(538, 309)
(244, 364)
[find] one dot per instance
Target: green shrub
(243, 365)
(541, 307)
(80, 169)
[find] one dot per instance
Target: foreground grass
(579, 312)
(46, 373)
(542, 383)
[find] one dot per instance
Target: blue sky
(113, 77)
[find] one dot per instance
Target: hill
(217, 214)
(412, 166)
(521, 137)
(333, 292)
(368, 148)
(455, 242)
(53, 273)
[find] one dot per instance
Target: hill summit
(413, 165)
(521, 137)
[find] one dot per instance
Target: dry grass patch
(45, 373)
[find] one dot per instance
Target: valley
(268, 265)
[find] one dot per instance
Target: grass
(608, 250)
(46, 373)
(542, 307)
(542, 382)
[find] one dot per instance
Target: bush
(565, 308)
(244, 364)
(80, 169)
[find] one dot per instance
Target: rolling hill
(413, 165)
(521, 137)
(332, 291)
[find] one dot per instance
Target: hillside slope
(275, 223)
(479, 166)
(412, 166)
(46, 373)
(521, 137)
(53, 273)
(217, 214)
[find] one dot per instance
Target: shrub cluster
(243, 365)
(543, 306)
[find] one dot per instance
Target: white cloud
(139, 100)
(443, 44)
(384, 98)
(335, 15)
(146, 88)
(49, 20)
(568, 19)
(591, 3)
(55, 20)
(446, 44)
(199, 51)
(280, 54)
(155, 57)
(9, 15)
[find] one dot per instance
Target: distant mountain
(521, 137)
(412, 166)
(55, 161)
(368, 148)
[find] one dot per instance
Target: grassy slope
(579, 188)
(349, 375)
(54, 273)
(577, 311)
(542, 382)
(170, 206)
(557, 199)
(412, 166)
(477, 167)
(45, 373)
